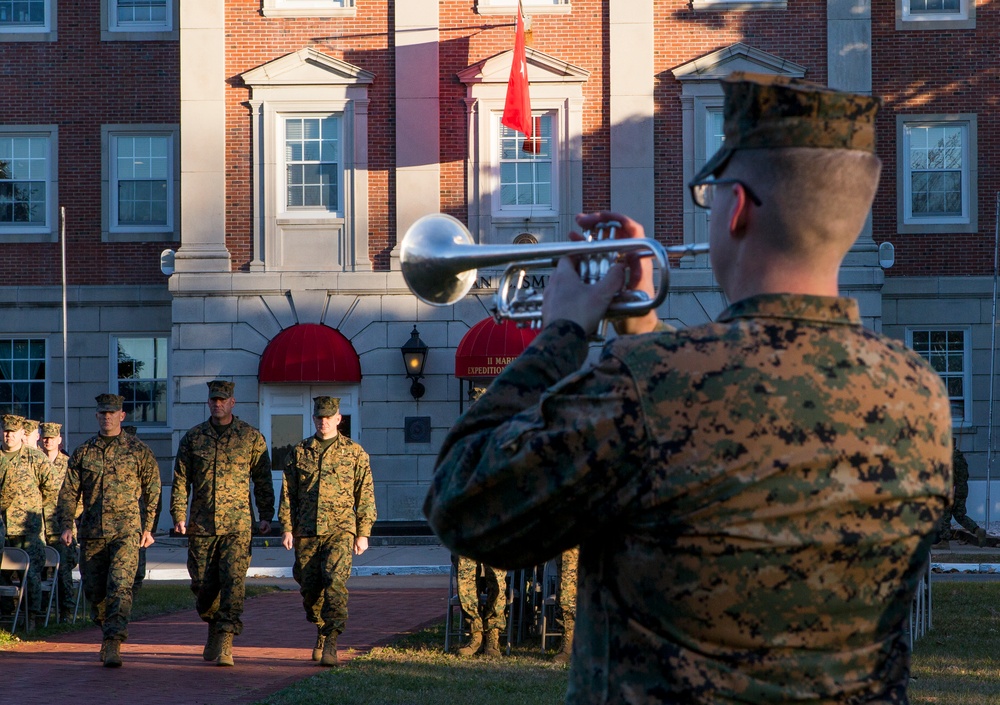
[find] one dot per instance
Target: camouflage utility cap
(50, 430)
(109, 402)
(220, 389)
(29, 425)
(771, 112)
(326, 406)
(12, 422)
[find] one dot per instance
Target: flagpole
(65, 332)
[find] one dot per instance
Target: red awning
(488, 347)
(309, 352)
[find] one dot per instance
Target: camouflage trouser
(567, 587)
(322, 567)
(32, 543)
(218, 569)
(108, 567)
(958, 512)
(473, 579)
(68, 557)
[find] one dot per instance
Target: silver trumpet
(439, 259)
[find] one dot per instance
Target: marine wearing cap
(50, 430)
(220, 389)
(326, 406)
(109, 402)
(12, 422)
(29, 425)
(762, 111)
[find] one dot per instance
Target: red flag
(517, 108)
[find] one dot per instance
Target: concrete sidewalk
(167, 560)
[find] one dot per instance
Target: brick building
(280, 148)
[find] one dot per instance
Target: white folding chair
(50, 580)
(550, 600)
(14, 566)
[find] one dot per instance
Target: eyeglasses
(703, 192)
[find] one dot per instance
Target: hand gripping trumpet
(439, 260)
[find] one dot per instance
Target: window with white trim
(24, 15)
(308, 8)
(140, 375)
(527, 169)
(140, 182)
(947, 351)
(714, 131)
(27, 186)
(739, 4)
(935, 14)
(312, 163)
(937, 173)
(22, 377)
(141, 15)
(496, 7)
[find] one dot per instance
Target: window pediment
(306, 67)
(736, 57)
(542, 68)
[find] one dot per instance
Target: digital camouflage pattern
(110, 477)
(216, 470)
(477, 578)
(327, 499)
(322, 567)
(27, 485)
(108, 569)
(754, 499)
(960, 468)
(68, 555)
(327, 492)
(218, 568)
(766, 111)
(568, 563)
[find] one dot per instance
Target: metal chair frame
(17, 562)
(50, 584)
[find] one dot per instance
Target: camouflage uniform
(474, 578)
(567, 588)
(110, 476)
(747, 495)
(27, 486)
(327, 499)
(961, 481)
(215, 467)
(68, 555)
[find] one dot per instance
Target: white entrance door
(286, 417)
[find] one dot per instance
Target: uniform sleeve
(46, 482)
(364, 496)
(149, 480)
(69, 495)
(289, 491)
(545, 457)
(260, 473)
(181, 480)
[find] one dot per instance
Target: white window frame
(111, 231)
(112, 31)
(165, 380)
(44, 32)
(48, 230)
(965, 401)
(13, 339)
(309, 8)
(531, 7)
(281, 177)
(551, 210)
(965, 18)
(739, 5)
(968, 221)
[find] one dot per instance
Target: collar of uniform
(833, 310)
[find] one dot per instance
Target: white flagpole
(65, 333)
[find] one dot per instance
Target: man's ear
(739, 211)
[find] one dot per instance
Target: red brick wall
(931, 72)
(81, 83)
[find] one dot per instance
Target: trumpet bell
(424, 253)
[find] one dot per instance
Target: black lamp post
(414, 356)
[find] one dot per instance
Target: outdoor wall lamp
(414, 356)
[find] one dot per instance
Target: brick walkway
(163, 661)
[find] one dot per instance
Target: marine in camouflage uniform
(27, 486)
(109, 474)
(51, 438)
(31, 433)
(327, 511)
(961, 482)
(487, 618)
(215, 464)
(754, 498)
